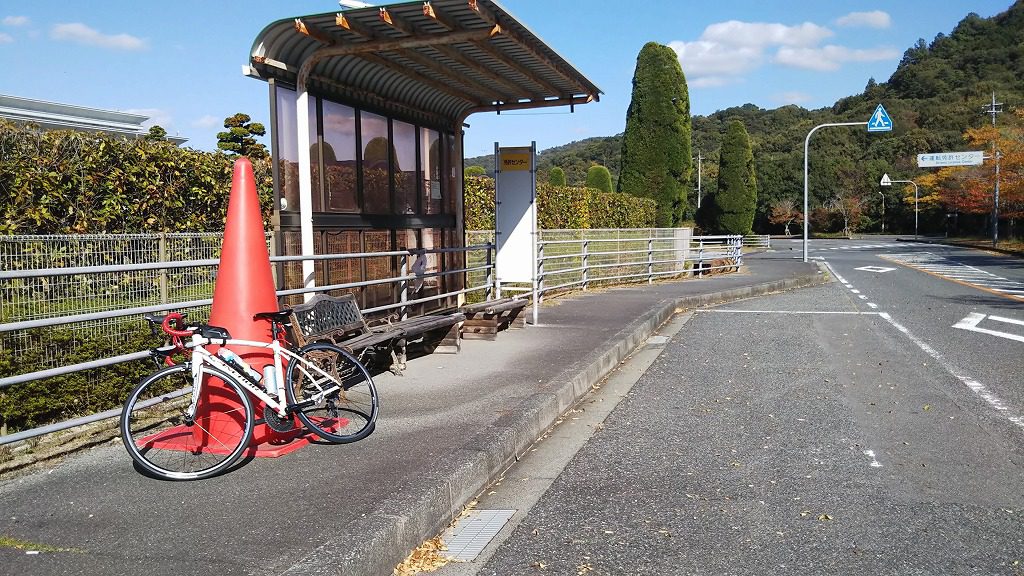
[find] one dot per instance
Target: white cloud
(82, 34)
(761, 34)
(157, 117)
(874, 19)
(207, 121)
(712, 82)
(15, 20)
(793, 97)
(702, 58)
(6, 38)
(726, 50)
(829, 58)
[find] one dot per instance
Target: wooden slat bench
(338, 319)
(485, 319)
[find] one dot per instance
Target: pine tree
(556, 177)
(238, 139)
(599, 178)
(656, 146)
(736, 198)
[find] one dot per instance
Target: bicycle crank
(276, 422)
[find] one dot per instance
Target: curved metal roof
(434, 62)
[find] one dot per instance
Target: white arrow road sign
(973, 319)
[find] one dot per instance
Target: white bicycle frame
(201, 356)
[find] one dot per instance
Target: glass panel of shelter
(383, 176)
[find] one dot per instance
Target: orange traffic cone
(245, 286)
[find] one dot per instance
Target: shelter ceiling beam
(475, 96)
(489, 17)
(511, 89)
(383, 45)
(444, 20)
(567, 101)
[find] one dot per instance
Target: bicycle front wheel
(332, 393)
(167, 440)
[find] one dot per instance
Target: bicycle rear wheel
(333, 393)
(168, 442)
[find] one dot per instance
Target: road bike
(194, 419)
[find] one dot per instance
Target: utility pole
(993, 109)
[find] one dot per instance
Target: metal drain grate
(473, 532)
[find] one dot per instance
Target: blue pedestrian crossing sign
(880, 121)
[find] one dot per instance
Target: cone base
(265, 442)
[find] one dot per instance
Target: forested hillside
(937, 92)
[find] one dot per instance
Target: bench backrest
(324, 317)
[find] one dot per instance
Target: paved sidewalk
(447, 428)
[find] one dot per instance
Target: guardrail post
(493, 288)
(700, 258)
(403, 295)
(164, 297)
(538, 284)
(650, 258)
(586, 263)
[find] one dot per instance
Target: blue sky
(180, 62)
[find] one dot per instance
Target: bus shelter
(368, 107)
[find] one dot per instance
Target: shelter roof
(435, 61)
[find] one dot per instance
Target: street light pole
(807, 142)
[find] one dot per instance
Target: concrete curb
(416, 514)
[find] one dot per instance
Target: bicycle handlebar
(173, 325)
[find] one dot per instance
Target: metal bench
(337, 319)
(485, 319)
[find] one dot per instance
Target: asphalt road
(848, 428)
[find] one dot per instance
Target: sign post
(879, 122)
(515, 217)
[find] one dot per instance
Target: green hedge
(39, 402)
(66, 182)
(563, 207)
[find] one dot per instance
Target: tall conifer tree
(656, 144)
(736, 198)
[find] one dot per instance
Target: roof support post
(305, 187)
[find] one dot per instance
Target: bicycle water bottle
(269, 379)
(236, 362)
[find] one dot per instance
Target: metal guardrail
(566, 264)
(567, 259)
(757, 241)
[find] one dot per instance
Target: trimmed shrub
(556, 177)
(656, 143)
(599, 178)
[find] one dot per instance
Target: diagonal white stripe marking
(977, 387)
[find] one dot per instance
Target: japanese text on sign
(515, 160)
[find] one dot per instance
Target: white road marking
(878, 269)
(952, 270)
(872, 305)
(972, 320)
(977, 387)
(862, 297)
(874, 461)
(854, 291)
(844, 312)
